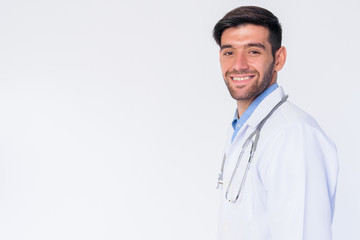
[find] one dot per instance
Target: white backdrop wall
(113, 113)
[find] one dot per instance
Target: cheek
(259, 66)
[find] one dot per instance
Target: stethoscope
(254, 143)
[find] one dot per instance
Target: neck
(242, 105)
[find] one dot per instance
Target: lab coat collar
(265, 107)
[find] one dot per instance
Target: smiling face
(247, 63)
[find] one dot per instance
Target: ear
(280, 58)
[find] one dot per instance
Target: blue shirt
(238, 123)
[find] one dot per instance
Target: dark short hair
(251, 15)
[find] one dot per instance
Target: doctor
(286, 190)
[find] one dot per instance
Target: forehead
(244, 34)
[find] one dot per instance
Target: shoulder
(292, 144)
(291, 116)
(291, 131)
(291, 120)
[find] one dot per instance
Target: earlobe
(280, 58)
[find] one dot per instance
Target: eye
(254, 52)
(228, 53)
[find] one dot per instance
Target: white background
(113, 113)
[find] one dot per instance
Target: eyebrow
(225, 46)
(259, 45)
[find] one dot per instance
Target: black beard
(254, 91)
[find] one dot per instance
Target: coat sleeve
(301, 183)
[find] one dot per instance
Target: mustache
(240, 72)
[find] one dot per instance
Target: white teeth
(240, 78)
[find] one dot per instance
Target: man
(287, 190)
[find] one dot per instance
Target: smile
(242, 78)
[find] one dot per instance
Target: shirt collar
(238, 122)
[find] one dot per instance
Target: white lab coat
(290, 188)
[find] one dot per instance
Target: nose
(240, 62)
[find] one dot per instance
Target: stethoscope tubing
(249, 140)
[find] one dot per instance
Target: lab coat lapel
(265, 107)
(233, 149)
(256, 117)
